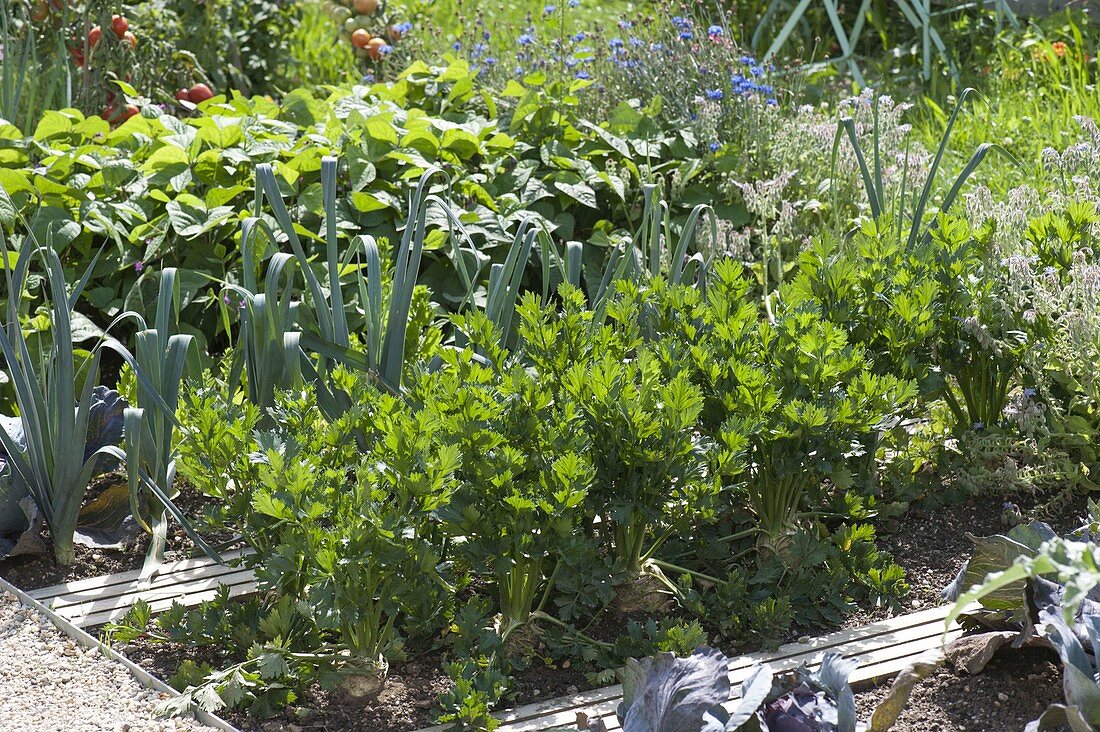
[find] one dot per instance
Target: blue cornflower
(574, 3)
(479, 48)
(636, 42)
(686, 35)
(680, 22)
(519, 71)
(457, 45)
(571, 62)
(526, 39)
(486, 35)
(756, 70)
(615, 43)
(489, 61)
(386, 50)
(716, 31)
(773, 102)
(583, 75)
(580, 36)
(747, 60)
(656, 47)
(550, 10)
(713, 147)
(714, 94)
(403, 27)
(1029, 392)
(625, 24)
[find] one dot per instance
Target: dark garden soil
(931, 545)
(1014, 689)
(31, 572)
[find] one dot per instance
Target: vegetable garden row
(518, 344)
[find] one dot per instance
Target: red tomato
(200, 93)
(183, 95)
(94, 35)
(119, 25)
(130, 38)
(129, 111)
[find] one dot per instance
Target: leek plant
(656, 250)
(872, 176)
(51, 462)
(276, 329)
(150, 455)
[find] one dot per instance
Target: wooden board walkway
(98, 600)
(882, 649)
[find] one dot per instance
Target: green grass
(1029, 99)
(317, 59)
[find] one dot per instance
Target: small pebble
(1002, 696)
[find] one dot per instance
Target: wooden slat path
(883, 649)
(90, 602)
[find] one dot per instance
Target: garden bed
(931, 546)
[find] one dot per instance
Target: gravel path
(48, 683)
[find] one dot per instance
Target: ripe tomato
(109, 112)
(374, 48)
(119, 25)
(183, 95)
(129, 111)
(360, 38)
(94, 35)
(130, 38)
(199, 93)
(365, 6)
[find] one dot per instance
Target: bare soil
(1014, 689)
(35, 572)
